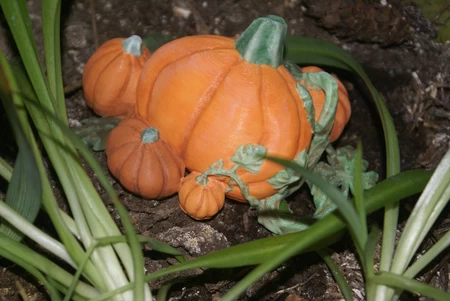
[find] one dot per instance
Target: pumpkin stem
(262, 42)
(133, 45)
(149, 135)
(202, 180)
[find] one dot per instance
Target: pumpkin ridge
(188, 194)
(121, 146)
(139, 150)
(200, 109)
(91, 64)
(162, 164)
(263, 117)
(190, 54)
(94, 105)
(94, 60)
(176, 61)
(297, 102)
(264, 106)
(120, 167)
(202, 197)
(124, 87)
(138, 172)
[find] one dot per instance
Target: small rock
(197, 239)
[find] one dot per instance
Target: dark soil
(394, 43)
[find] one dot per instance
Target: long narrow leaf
(401, 282)
(53, 292)
(312, 51)
(259, 251)
(24, 190)
(337, 274)
(345, 207)
(51, 14)
(427, 209)
(16, 14)
(43, 264)
(346, 210)
(442, 244)
(98, 209)
(5, 170)
(358, 188)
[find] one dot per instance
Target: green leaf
(154, 40)
(94, 131)
(249, 157)
(24, 190)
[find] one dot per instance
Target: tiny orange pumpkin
(201, 197)
(144, 164)
(111, 75)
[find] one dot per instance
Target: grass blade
(403, 283)
(345, 207)
(19, 22)
(51, 289)
(338, 276)
(5, 170)
(24, 190)
(312, 51)
(259, 251)
(427, 209)
(430, 255)
(358, 190)
(51, 13)
(346, 210)
(47, 267)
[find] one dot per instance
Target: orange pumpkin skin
(151, 170)
(343, 110)
(111, 75)
(201, 201)
(206, 101)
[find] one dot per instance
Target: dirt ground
(394, 43)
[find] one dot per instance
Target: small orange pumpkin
(208, 95)
(144, 164)
(343, 110)
(111, 75)
(201, 198)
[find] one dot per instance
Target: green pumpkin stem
(133, 45)
(262, 42)
(149, 135)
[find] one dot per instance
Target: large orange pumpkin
(111, 75)
(143, 163)
(208, 95)
(216, 102)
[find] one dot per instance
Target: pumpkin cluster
(203, 105)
